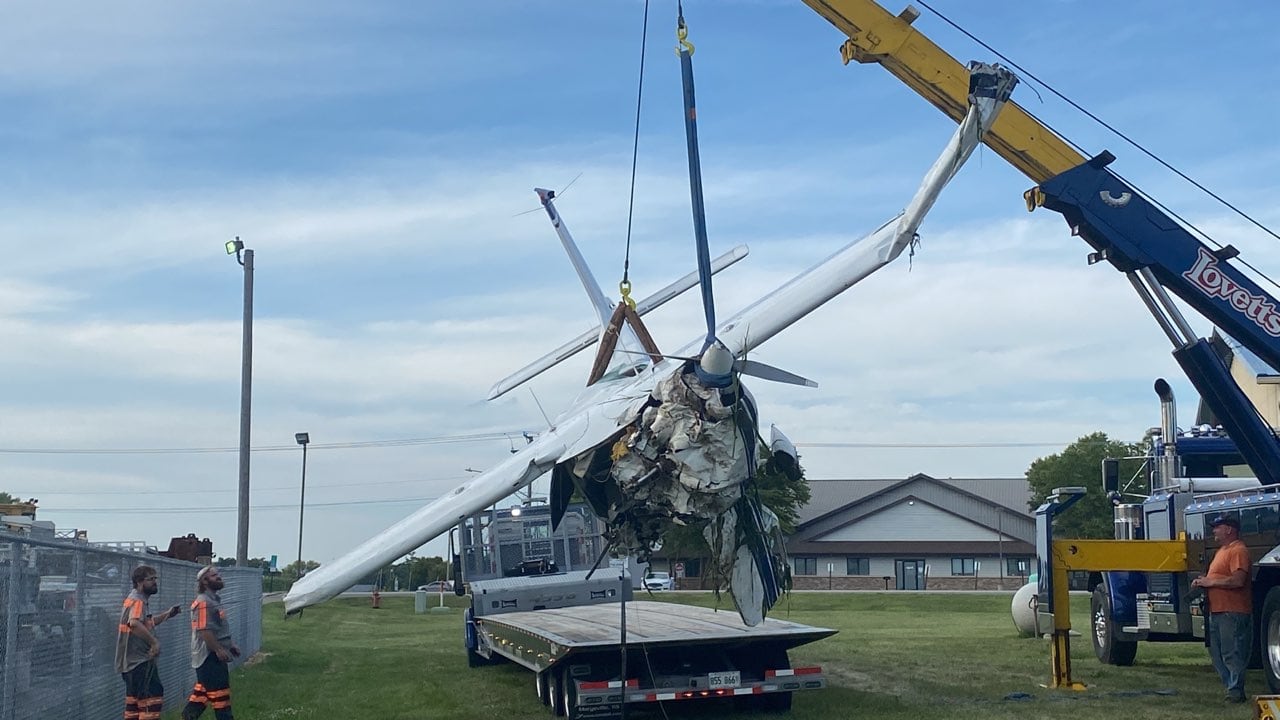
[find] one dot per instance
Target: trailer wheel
(470, 640)
(1108, 649)
(557, 679)
(542, 684)
(1271, 639)
(566, 695)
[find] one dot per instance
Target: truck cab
(1192, 476)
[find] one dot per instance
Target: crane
(1159, 257)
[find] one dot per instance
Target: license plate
(727, 679)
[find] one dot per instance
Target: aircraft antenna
(544, 412)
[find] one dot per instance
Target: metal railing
(60, 605)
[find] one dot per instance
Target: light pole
(245, 257)
(303, 439)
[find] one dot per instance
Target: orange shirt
(1230, 558)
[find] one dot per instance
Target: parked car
(436, 586)
(659, 581)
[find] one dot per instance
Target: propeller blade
(769, 372)
(754, 368)
(695, 193)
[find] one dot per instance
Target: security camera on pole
(245, 257)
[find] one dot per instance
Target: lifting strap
(622, 312)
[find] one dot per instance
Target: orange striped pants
(213, 687)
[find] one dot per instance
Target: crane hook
(682, 36)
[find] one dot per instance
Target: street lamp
(303, 439)
(245, 257)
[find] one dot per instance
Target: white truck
(570, 631)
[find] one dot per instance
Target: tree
(782, 493)
(415, 571)
(1080, 465)
(6, 498)
(251, 562)
(410, 572)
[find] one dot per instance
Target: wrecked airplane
(656, 439)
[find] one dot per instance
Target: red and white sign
(679, 569)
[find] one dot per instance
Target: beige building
(920, 533)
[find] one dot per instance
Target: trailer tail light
(693, 694)
(792, 672)
(608, 684)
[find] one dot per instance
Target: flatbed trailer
(674, 652)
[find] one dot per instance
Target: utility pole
(302, 439)
(245, 258)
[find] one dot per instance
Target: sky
(380, 161)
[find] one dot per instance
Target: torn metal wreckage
(689, 458)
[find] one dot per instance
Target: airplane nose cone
(716, 360)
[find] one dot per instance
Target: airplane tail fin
(602, 304)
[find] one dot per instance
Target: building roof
(833, 495)
(1014, 523)
(910, 547)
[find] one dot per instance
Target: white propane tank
(1024, 610)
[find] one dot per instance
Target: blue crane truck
(1190, 474)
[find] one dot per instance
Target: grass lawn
(897, 655)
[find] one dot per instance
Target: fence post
(11, 629)
(79, 617)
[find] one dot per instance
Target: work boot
(1234, 697)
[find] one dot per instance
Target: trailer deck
(541, 638)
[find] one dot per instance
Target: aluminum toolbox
(540, 592)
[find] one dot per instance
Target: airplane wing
(598, 414)
(809, 290)
(435, 518)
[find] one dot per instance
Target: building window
(537, 531)
(1017, 566)
(962, 566)
(859, 566)
(692, 568)
(806, 565)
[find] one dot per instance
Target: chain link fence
(59, 611)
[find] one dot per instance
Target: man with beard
(1230, 590)
(137, 648)
(211, 649)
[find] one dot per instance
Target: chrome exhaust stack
(1167, 463)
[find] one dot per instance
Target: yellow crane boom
(875, 36)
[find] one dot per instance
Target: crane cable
(1104, 124)
(1127, 139)
(624, 287)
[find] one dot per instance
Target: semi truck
(1191, 476)
(592, 648)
